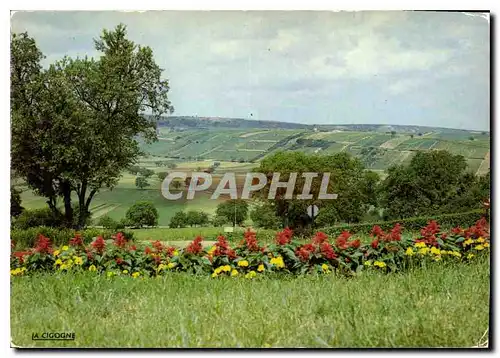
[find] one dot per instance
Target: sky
(311, 67)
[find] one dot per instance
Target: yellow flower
(325, 268)
(161, 267)
(234, 272)
(486, 244)
(92, 268)
(125, 271)
(437, 258)
(63, 267)
(171, 265)
(468, 242)
(423, 250)
(226, 268)
(379, 264)
(214, 274)
(435, 251)
(368, 263)
(218, 270)
(65, 248)
(78, 261)
(69, 262)
(243, 263)
(278, 261)
(479, 247)
(481, 240)
(469, 256)
(18, 271)
(175, 253)
(56, 252)
(110, 273)
(136, 274)
(58, 262)
(211, 250)
(455, 253)
(251, 274)
(419, 244)
(260, 268)
(409, 251)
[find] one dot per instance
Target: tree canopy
(74, 125)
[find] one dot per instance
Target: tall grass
(444, 306)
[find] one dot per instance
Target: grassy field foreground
(446, 305)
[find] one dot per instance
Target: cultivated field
(239, 150)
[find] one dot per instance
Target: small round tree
(142, 213)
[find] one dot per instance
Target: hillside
(378, 146)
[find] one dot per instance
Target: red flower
(195, 246)
(327, 251)
(147, 250)
(284, 237)
(457, 230)
(99, 244)
(320, 237)
(20, 255)
(119, 261)
(374, 243)
(341, 241)
(89, 254)
(444, 236)
(158, 246)
(356, 243)
(133, 248)
(347, 260)
(377, 231)
(222, 248)
(120, 240)
(302, 254)
(432, 228)
(395, 234)
(170, 251)
(251, 241)
(76, 241)
(43, 245)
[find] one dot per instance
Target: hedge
(446, 221)
(24, 238)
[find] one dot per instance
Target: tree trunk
(68, 209)
(82, 215)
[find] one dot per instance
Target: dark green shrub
(142, 213)
(37, 217)
(107, 222)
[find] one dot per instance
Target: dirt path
(103, 211)
(393, 142)
(485, 165)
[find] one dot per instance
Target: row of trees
(433, 182)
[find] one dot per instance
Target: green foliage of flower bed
(388, 251)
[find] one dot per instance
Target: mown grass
(446, 305)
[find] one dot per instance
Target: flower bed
(323, 255)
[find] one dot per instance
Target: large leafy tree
(346, 180)
(236, 210)
(76, 129)
(433, 182)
